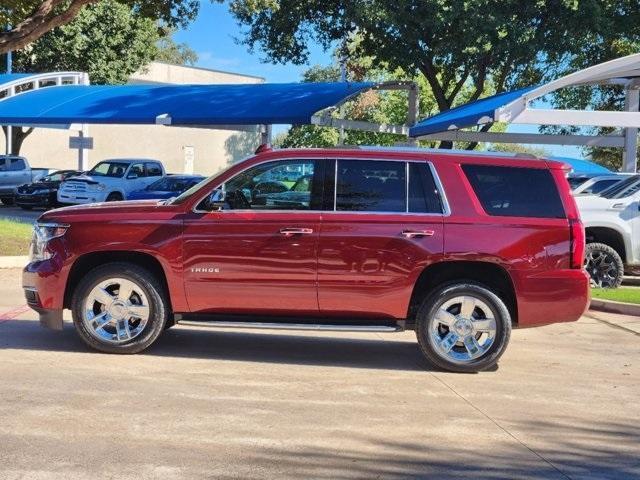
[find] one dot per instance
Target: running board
(291, 326)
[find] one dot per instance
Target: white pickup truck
(110, 180)
(612, 224)
(15, 171)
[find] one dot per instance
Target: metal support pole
(265, 135)
(413, 109)
(629, 158)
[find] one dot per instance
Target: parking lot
(239, 404)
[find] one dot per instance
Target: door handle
(290, 231)
(417, 233)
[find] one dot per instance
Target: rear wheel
(463, 327)
(119, 308)
(604, 265)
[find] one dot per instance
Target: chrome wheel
(116, 311)
(602, 268)
(463, 329)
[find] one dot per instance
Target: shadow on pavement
(237, 346)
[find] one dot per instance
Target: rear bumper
(551, 297)
(44, 286)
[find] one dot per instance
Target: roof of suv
(129, 160)
(369, 152)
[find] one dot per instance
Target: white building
(182, 150)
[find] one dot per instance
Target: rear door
(384, 227)
(18, 173)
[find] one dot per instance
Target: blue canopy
(245, 104)
(580, 166)
(474, 113)
(9, 77)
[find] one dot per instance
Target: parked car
(44, 192)
(15, 171)
(612, 223)
(166, 187)
(110, 180)
(459, 247)
(597, 184)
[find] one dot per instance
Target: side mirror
(216, 199)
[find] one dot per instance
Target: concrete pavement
(250, 405)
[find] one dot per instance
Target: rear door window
(423, 193)
(515, 191)
(153, 170)
(16, 164)
(371, 186)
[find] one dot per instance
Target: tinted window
(153, 170)
(137, 170)
(515, 192)
(371, 186)
(623, 189)
(601, 185)
(16, 164)
(108, 169)
(423, 194)
(281, 185)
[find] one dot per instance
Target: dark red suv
(459, 247)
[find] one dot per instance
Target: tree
(175, 53)
(109, 41)
(454, 44)
(27, 20)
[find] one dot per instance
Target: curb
(610, 306)
(13, 261)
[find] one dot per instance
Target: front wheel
(463, 327)
(119, 308)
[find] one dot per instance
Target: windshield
(109, 169)
(193, 190)
(623, 189)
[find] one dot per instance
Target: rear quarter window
(515, 191)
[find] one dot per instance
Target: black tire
(427, 313)
(604, 265)
(114, 197)
(8, 201)
(151, 287)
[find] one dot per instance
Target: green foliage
(108, 40)
(622, 294)
(175, 53)
(172, 13)
(464, 49)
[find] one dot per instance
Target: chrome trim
(290, 326)
(446, 210)
(31, 289)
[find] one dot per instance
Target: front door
(385, 228)
(258, 253)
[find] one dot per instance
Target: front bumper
(44, 286)
(80, 198)
(42, 200)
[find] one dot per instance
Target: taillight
(577, 242)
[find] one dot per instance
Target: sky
(213, 36)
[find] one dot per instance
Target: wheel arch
(608, 236)
(89, 261)
(490, 274)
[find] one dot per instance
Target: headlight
(100, 187)
(43, 233)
